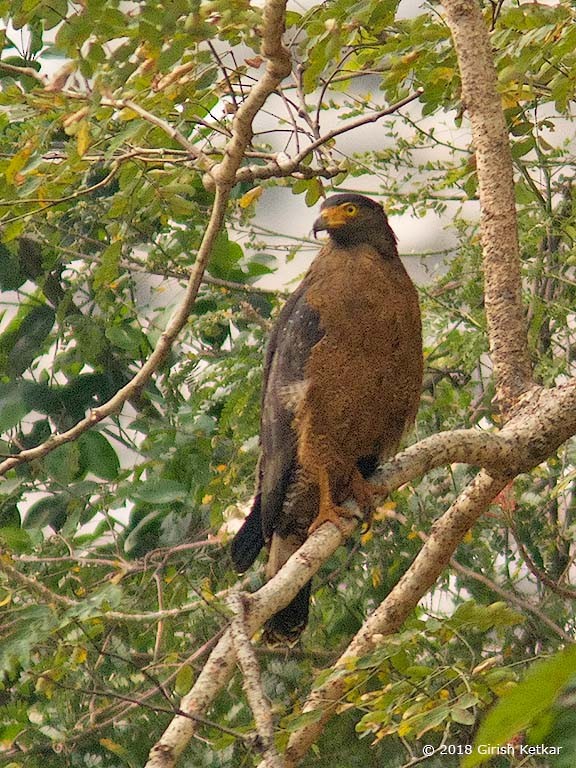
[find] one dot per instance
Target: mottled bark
(481, 101)
(447, 533)
(543, 420)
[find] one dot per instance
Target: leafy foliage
(113, 561)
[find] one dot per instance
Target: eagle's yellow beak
(331, 218)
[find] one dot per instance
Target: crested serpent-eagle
(342, 381)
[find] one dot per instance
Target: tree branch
(23, 71)
(434, 556)
(278, 65)
(281, 166)
(511, 597)
(503, 297)
(224, 175)
(541, 422)
(135, 385)
(252, 683)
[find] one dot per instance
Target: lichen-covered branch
(481, 100)
(543, 420)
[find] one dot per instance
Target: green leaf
(107, 271)
(16, 539)
(25, 336)
(462, 716)
(51, 510)
(184, 680)
(158, 491)
(98, 456)
(63, 463)
(425, 721)
(127, 337)
(301, 721)
(10, 276)
(12, 407)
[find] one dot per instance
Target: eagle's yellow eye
(351, 210)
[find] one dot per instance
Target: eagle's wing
(295, 333)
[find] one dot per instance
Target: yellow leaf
(408, 58)
(250, 197)
(79, 655)
(118, 576)
(83, 138)
(403, 729)
(115, 748)
(17, 163)
(366, 537)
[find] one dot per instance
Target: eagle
(342, 382)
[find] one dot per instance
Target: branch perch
(434, 556)
(543, 420)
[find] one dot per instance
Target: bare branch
(32, 585)
(511, 597)
(138, 265)
(168, 129)
(288, 166)
(506, 594)
(540, 575)
(480, 97)
(219, 667)
(278, 67)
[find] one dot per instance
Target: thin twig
(251, 680)
(26, 71)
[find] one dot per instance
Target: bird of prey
(342, 381)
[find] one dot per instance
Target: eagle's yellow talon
(333, 515)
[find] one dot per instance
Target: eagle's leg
(363, 493)
(328, 511)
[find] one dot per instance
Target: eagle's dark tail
(286, 626)
(249, 540)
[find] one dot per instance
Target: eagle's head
(351, 220)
